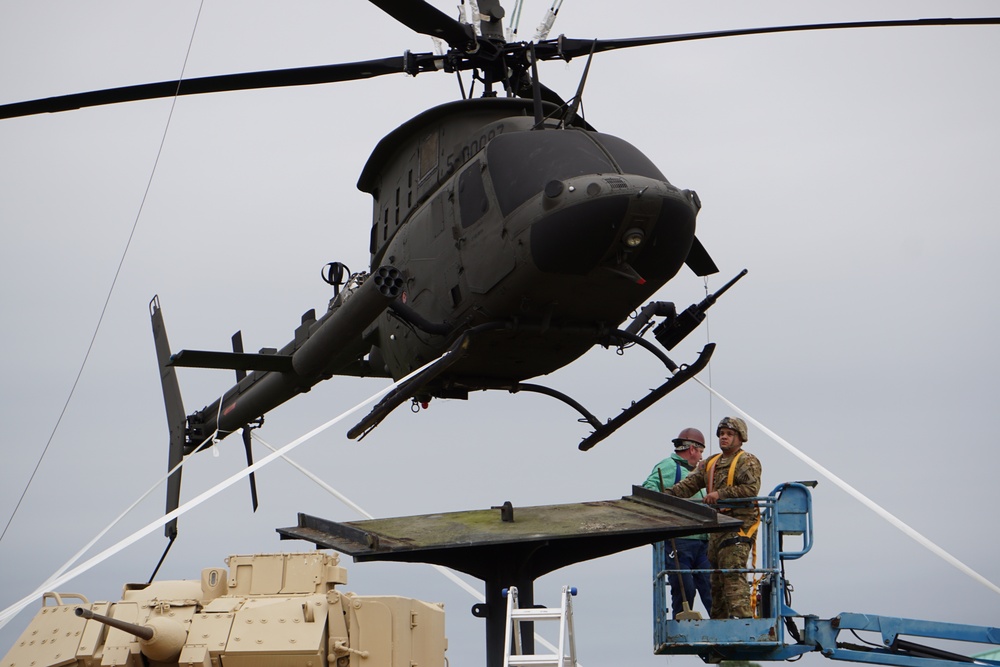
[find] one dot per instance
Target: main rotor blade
(567, 48)
(428, 20)
(299, 76)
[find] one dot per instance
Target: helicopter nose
(574, 239)
(580, 237)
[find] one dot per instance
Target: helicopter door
(486, 251)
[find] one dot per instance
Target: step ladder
(513, 654)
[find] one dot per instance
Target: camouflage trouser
(731, 591)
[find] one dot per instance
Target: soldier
(732, 474)
(690, 552)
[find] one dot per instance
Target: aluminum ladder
(513, 654)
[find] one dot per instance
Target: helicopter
(508, 237)
(502, 266)
(291, 298)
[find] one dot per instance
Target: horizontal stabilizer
(700, 261)
(237, 361)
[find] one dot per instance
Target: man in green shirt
(692, 550)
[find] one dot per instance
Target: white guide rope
(47, 585)
(354, 506)
(860, 497)
(57, 581)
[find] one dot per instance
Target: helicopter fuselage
(530, 241)
(557, 232)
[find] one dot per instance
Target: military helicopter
(691, 179)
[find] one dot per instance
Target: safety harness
(744, 535)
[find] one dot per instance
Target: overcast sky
(853, 173)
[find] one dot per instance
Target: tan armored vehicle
(275, 610)
(283, 610)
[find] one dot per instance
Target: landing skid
(397, 396)
(680, 375)
(602, 430)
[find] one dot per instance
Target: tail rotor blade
(253, 476)
(240, 374)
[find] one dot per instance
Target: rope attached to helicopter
(56, 581)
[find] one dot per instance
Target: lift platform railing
(786, 512)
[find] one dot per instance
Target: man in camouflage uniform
(730, 592)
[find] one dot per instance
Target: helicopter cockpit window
(629, 158)
(472, 200)
(521, 163)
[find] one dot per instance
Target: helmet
(734, 423)
(687, 437)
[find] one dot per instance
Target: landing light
(633, 238)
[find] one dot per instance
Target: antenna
(578, 98)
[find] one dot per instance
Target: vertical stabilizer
(176, 417)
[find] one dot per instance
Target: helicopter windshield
(521, 163)
(629, 158)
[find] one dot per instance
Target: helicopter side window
(427, 155)
(629, 158)
(472, 200)
(521, 163)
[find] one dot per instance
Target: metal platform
(512, 546)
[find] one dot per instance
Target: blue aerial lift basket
(787, 512)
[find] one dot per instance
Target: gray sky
(853, 173)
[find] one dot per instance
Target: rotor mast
(491, 15)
